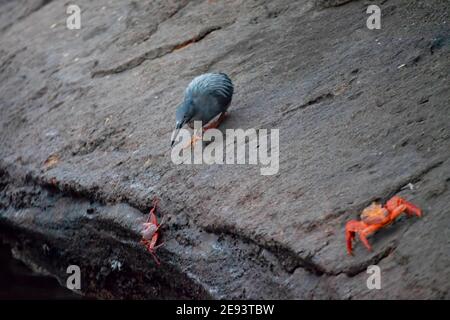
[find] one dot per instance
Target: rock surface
(85, 123)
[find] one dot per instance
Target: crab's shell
(373, 214)
(149, 230)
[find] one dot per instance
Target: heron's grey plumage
(207, 96)
(217, 84)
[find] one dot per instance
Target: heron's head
(184, 114)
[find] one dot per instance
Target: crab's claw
(397, 201)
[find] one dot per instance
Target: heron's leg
(216, 123)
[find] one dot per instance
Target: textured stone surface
(86, 117)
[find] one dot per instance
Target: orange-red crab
(375, 217)
(150, 233)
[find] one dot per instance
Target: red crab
(150, 233)
(375, 217)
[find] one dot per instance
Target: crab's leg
(150, 248)
(349, 236)
(367, 232)
(365, 241)
(351, 228)
(146, 244)
(153, 217)
(158, 246)
(155, 257)
(412, 209)
(153, 220)
(162, 222)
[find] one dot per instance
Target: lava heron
(206, 97)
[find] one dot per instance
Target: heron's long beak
(175, 132)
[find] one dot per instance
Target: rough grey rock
(86, 117)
